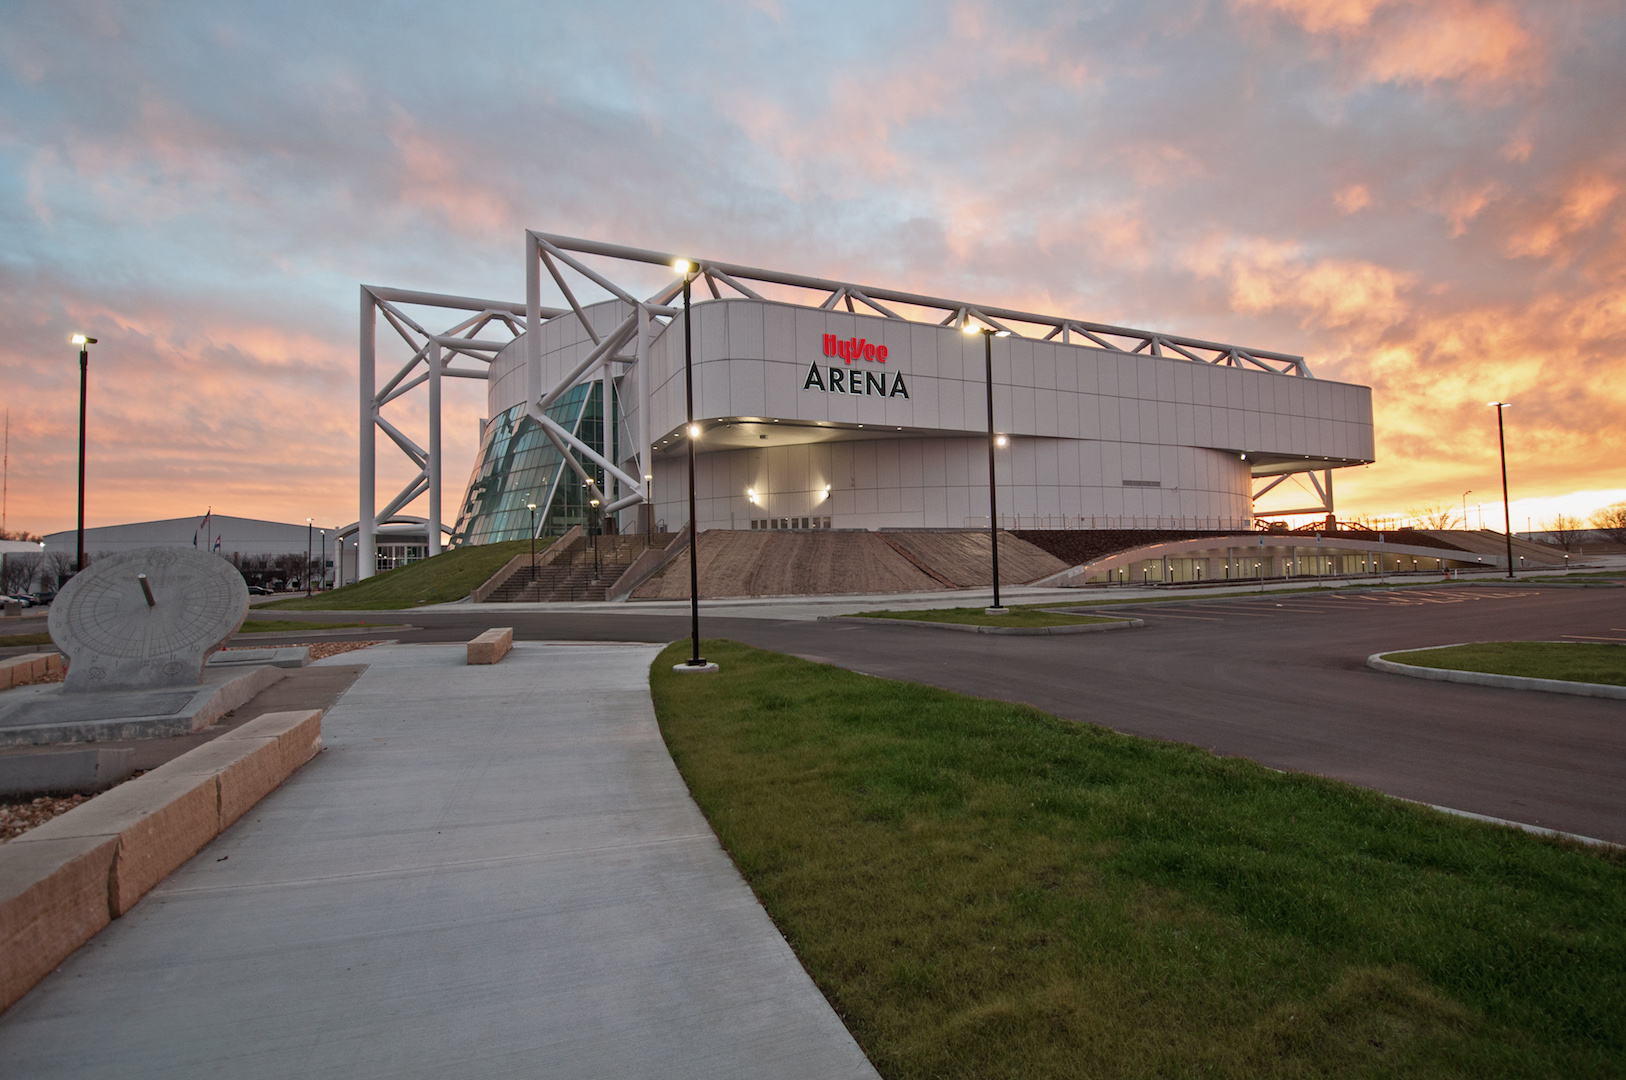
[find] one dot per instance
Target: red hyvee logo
(850, 349)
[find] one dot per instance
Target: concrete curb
(1484, 678)
(1016, 631)
(63, 881)
(28, 668)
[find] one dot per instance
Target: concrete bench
(28, 668)
(492, 645)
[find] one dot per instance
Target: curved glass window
(517, 464)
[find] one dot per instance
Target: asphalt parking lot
(1278, 678)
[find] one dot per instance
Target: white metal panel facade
(1094, 434)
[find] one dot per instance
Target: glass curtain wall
(518, 464)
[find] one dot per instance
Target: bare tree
(1565, 529)
(1612, 521)
(293, 567)
(256, 569)
(58, 566)
(17, 572)
(1434, 516)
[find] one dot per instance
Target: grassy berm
(1593, 662)
(451, 575)
(983, 890)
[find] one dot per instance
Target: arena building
(829, 405)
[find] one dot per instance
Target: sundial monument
(146, 620)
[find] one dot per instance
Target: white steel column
(607, 382)
(434, 448)
(366, 545)
(646, 437)
(533, 318)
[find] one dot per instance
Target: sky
(1421, 197)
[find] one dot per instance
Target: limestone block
(283, 742)
(28, 668)
(53, 898)
(14, 671)
(160, 820)
(491, 646)
(298, 735)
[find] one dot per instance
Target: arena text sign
(839, 380)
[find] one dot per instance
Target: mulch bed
(17, 818)
(324, 649)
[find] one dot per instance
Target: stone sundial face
(117, 638)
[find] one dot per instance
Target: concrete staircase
(575, 573)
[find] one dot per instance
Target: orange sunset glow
(1428, 198)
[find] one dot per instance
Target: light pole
(309, 545)
(988, 334)
(84, 344)
(1465, 495)
(531, 506)
(696, 662)
(1507, 511)
(592, 533)
(322, 566)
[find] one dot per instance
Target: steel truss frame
(646, 320)
(429, 363)
(1091, 335)
(1323, 489)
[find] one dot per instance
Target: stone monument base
(44, 715)
(286, 656)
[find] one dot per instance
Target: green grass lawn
(1023, 615)
(1572, 662)
(289, 626)
(451, 575)
(982, 890)
(25, 639)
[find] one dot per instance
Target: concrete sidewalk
(490, 871)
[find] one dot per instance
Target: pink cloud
(1352, 198)
(1549, 233)
(1478, 45)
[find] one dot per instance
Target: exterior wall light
(1000, 440)
(694, 431)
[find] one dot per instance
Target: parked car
(44, 598)
(22, 598)
(258, 590)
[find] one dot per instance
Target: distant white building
(233, 538)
